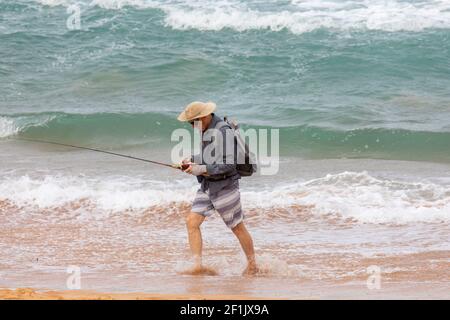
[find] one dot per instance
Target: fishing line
(173, 166)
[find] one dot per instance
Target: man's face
(200, 123)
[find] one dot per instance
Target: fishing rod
(173, 166)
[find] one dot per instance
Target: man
(219, 180)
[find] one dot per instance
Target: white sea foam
(363, 198)
(7, 127)
(348, 195)
(110, 195)
(10, 126)
(53, 3)
(298, 16)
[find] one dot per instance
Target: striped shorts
(227, 202)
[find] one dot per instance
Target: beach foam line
(297, 16)
(347, 196)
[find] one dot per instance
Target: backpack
(249, 167)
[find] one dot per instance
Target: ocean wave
(7, 127)
(348, 196)
(115, 194)
(126, 130)
(14, 125)
(364, 198)
(295, 16)
(359, 197)
(100, 129)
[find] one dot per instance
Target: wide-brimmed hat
(197, 110)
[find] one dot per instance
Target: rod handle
(180, 166)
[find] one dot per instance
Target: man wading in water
(219, 180)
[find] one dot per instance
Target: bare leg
(193, 222)
(246, 242)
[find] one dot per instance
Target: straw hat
(197, 110)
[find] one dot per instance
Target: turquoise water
(359, 89)
(341, 79)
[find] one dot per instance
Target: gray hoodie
(220, 174)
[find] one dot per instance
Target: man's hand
(185, 163)
(196, 169)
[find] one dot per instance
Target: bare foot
(200, 271)
(251, 270)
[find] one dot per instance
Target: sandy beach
(32, 294)
(393, 291)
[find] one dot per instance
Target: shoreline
(311, 291)
(35, 294)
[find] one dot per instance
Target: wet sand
(141, 253)
(142, 256)
(317, 291)
(32, 294)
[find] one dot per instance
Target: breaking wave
(124, 130)
(295, 16)
(347, 196)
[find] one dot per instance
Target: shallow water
(318, 229)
